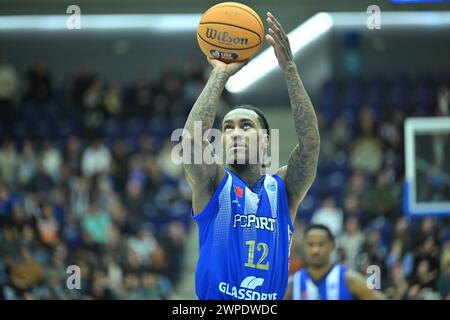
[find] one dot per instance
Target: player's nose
(236, 135)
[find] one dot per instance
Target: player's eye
(246, 125)
(227, 127)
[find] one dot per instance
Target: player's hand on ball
(229, 68)
(278, 39)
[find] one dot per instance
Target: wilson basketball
(230, 32)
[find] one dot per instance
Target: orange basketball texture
(230, 32)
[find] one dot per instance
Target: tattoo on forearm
(305, 119)
(204, 110)
(205, 107)
(303, 160)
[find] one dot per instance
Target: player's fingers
(275, 21)
(281, 35)
(273, 25)
(270, 39)
(280, 46)
(276, 37)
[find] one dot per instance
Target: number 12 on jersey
(261, 246)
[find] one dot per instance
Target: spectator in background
(161, 105)
(108, 198)
(72, 155)
(426, 263)
(402, 234)
(357, 185)
(134, 202)
(113, 271)
(340, 133)
(26, 272)
(51, 160)
(194, 83)
(427, 230)
(173, 244)
(48, 227)
(396, 284)
(130, 287)
(112, 100)
(390, 132)
(352, 206)
(140, 100)
(93, 113)
(398, 254)
(381, 199)
(353, 196)
(39, 82)
(150, 288)
(81, 83)
(8, 87)
(41, 183)
(10, 244)
(100, 289)
(79, 196)
(9, 160)
(145, 153)
(119, 163)
(351, 241)
(96, 159)
(27, 164)
(329, 215)
(168, 167)
(70, 233)
(367, 153)
(425, 277)
(373, 251)
(96, 224)
(8, 81)
(335, 140)
(143, 245)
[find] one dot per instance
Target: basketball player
(321, 280)
(245, 216)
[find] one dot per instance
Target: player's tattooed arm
(204, 109)
(202, 115)
(302, 164)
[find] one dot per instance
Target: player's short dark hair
(320, 227)
(261, 116)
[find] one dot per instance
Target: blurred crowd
(86, 180)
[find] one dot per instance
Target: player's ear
(266, 141)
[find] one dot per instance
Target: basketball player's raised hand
(278, 39)
(229, 68)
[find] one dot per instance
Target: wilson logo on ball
(224, 37)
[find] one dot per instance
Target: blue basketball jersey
(244, 239)
(332, 286)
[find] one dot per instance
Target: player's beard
(317, 263)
